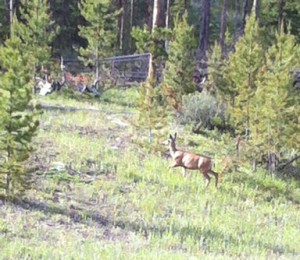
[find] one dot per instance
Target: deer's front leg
(174, 164)
(183, 172)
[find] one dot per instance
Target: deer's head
(172, 141)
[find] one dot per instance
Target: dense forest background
(221, 21)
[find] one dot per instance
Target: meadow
(97, 194)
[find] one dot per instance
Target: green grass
(98, 195)
(117, 100)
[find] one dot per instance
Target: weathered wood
(204, 32)
(289, 162)
(280, 15)
(223, 24)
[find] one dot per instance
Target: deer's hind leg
(206, 176)
(216, 177)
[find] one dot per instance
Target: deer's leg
(174, 164)
(183, 172)
(206, 176)
(216, 177)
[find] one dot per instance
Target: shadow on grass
(205, 237)
(271, 187)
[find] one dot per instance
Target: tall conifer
(100, 31)
(36, 29)
(276, 105)
(241, 74)
(18, 122)
(180, 66)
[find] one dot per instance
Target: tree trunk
(254, 165)
(245, 4)
(280, 15)
(167, 22)
(121, 24)
(223, 24)
(158, 14)
(273, 160)
(236, 20)
(186, 4)
(11, 16)
(254, 7)
(153, 59)
(257, 8)
(148, 13)
(204, 34)
(157, 21)
(131, 22)
(155, 14)
(297, 157)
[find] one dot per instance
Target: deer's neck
(172, 149)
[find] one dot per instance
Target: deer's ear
(171, 137)
(175, 135)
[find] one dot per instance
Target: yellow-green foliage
(257, 85)
(37, 30)
(276, 104)
(101, 30)
(241, 73)
(18, 124)
(180, 65)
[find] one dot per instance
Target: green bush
(204, 112)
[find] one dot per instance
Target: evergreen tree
(18, 123)
(241, 73)
(179, 8)
(152, 116)
(216, 65)
(152, 112)
(100, 31)
(4, 22)
(67, 16)
(180, 66)
(36, 30)
(276, 105)
(271, 15)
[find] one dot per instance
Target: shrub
(204, 112)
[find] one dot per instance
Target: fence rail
(119, 70)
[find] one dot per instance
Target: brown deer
(191, 161)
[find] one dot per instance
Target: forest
(101, 103)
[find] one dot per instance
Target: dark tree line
(212, 20)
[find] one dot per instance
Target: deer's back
(190, 160)
(195, 161)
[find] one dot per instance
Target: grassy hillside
(97, 195)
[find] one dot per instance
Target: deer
(191, 161)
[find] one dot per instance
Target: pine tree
(100, 31)
(18, 122)
(152, 112)
(216, 65)
(152, 116)
(241, 73)
(180, 66)
(4, 21)
(276, 105)
(36, 29)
